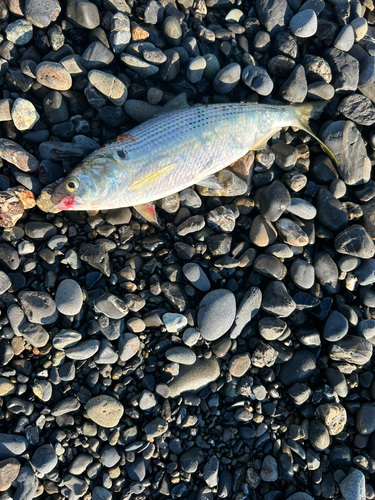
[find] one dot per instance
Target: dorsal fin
(175, 104)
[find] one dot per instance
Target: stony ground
(228, 354)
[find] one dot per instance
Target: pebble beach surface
(228, 354)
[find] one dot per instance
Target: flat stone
(83, 350)
(181, 355)
(195, 377)
(299, 368)
(19, 32)
(355, 241)
(44, 459)
(345, 142)
(42, 12)
(353, 487)
(105, 411)
(69, 297)
(53, 75)
(13, 153)
(277, 301)
(24, 114)
(247, 310)
(351, 349)
(39, 307)
(227, 78)
(12, 445)
(9, 470)
(128, 346)
(216, 313)
(197, 277)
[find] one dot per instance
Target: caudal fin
(312, 110)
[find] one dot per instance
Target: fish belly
(174, 151)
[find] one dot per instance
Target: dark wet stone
(299, 368)
(96, 256)
(355, 241)
(330, 212)
(357, 108)
(277, 301)
(345, 69)
(346, 143)
(274, 200)
(216, 313)
(274, 15)
(326, 272)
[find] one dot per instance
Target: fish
(180, 147)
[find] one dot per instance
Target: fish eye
(72, 185)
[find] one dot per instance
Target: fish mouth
(67, 202)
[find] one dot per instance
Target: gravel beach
(228, 353)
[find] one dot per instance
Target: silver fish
(172, 151)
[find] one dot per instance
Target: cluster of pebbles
(228, 354)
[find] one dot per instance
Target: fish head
(75, 192)
(92, 185)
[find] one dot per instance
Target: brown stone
(262, 232)
(13, 153)
(53, 75)
(11, 209)
(9, 470)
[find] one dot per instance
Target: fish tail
(304, 112)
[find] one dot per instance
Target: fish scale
(174, 151)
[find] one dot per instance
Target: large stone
(193, 378)
(345, 141)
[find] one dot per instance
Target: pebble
(304, 24)
(216, 314)
(197, 277)
(83, 14)
(269, 471)
(365, 419)
(227, 78)
(83, 350)
(53, 75)
(105, 411)
(44, 459)
(20, 32)
(69, 297)
(128, 346)
(39, 307)
(42, 14)
(12, 445)
(109, 85)
(353, 486)
(239, 364)
(24, 114)
(16, 155)
(319, 435)
(195, 377)
(257, 79)
(352, 162)
(181, 355)
(9, 470)
(302, 274)
(299, 368)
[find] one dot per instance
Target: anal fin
(148, 212)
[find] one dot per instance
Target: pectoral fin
(148, 212)
(147, 181)
(209, 182)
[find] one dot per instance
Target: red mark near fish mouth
(102, 146)
(66, 202)
(126, 137)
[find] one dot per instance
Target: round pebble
(69, 297)
(104, 411)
